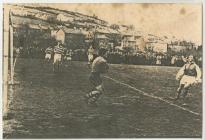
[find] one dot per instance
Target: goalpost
(5, 59)
(11, 50)
(8, 57)
(11, 46)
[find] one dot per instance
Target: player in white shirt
(92, 54)
(49, 52)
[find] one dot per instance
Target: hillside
(52, 18)
(48, 18)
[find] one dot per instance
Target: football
(95, 92)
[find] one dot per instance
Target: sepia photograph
(102, 70)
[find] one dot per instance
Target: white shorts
(68, 58)
(90, 57)
(188, 80)
(158, 62)
(48, 56)
(57, 58)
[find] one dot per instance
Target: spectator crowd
(116, 57)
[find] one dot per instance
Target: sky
(184, 21)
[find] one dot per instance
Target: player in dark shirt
(99, 66)
(188, 75)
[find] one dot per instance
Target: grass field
(136, 103)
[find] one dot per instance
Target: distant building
(71, 38)
(64, 18)
(101, 40)
(159, 47)
(134, 41)
(176, 48)
(99, 37)
(180, 46)
(155, 44)
(128, 41)
(19, 12)
(59, 35)
(130, 37)
(42, 16)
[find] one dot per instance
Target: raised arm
(198, 77)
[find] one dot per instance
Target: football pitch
(136, 103)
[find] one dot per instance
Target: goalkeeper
(99, 66)
(188, 75)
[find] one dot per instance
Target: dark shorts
(95, 79)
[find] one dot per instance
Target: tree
(131, 27)
(115, 27)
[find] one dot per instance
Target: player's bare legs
(179, 91)
(99, 66)
(97, 90)
(186, 90)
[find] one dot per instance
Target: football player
(58, 52)
(188, 75)
(92, 54)
(99, 66)
(49, 52)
